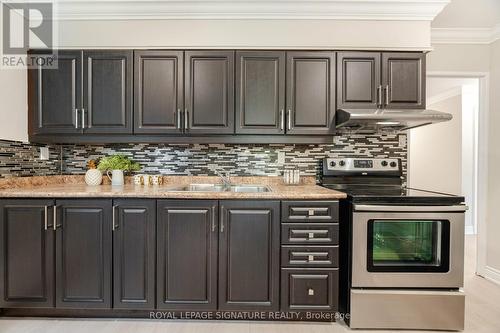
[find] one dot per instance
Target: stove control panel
(362, 164)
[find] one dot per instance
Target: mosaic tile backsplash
(20, 159)
(238, 160)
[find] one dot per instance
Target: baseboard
(492, 274)
(469, 230)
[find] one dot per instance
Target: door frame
(480, 165)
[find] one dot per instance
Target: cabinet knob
(310, 212)
(311, 235)
(310, 292)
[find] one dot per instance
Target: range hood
(379, 120)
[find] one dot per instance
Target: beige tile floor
(482, 316)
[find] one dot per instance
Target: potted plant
(117, 165)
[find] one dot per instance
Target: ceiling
(469, 14)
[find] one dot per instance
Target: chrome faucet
(226, 178)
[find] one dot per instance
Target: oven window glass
(408, 246)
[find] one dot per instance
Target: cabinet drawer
(310, 211)
(309, 289)
(310, 233)
(316, 256)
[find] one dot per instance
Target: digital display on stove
(363, 164)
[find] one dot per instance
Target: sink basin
(222, 188)
(250, 188)
(202, 188)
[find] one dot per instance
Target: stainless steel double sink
(246, 188)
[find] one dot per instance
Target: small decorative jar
(93, 176)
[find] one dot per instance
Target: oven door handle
(417, 209)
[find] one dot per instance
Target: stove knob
(393, 164)
(333, 164)
(342, 163)
(384, 163)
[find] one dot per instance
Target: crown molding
(465, 35)
(419, 10)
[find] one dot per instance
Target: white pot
(117, 178)
(93, 177)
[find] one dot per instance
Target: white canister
(93, 177)
(117, 178)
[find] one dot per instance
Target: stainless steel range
(405, 249)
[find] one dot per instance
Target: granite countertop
(75, 187)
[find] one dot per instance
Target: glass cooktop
(394, 194)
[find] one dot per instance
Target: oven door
(407, 246)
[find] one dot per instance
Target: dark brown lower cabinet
(26, 254)
(309, 289)
(134, 247)
(187, 255)
(83, 253)
(249, 247)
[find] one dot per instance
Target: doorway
(446, 157)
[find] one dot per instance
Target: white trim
(469, 230)
(416, 10)
(482, 162)
(492, 274)
(465, 35)
(455, 91)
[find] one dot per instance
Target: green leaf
(118, 162)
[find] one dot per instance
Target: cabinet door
(187, 255)
(134, 247)
(209, 91)
(310, 93)
(403, 78)
(358, 80)
(249, 248)
(26, 254)
(159, 94)
(260, 92)
(55, 96)
(107, 91)
(83, 253)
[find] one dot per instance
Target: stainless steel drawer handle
(178, 118)
(186, 119)
(222, 219)
(379, 96)
(289, 116)
(282, 120)
(83, 118)
(213, 218)
(386, 94)
(46, 217)
(76, 118)
(54, 222)
(114, 225)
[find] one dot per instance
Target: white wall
(435, 152)
(13, 105)
(246, 34)
(493, 211)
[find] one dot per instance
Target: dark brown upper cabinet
(310, 92)
(209, 92)
(107, 91)
(26, 254)
(249, 244)
(134, 247)
(260, 92)
(55, 96)
(187, 255)
(403, 79)
(392, 80)
(83, 253)
(159, 92)
(358, 80)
